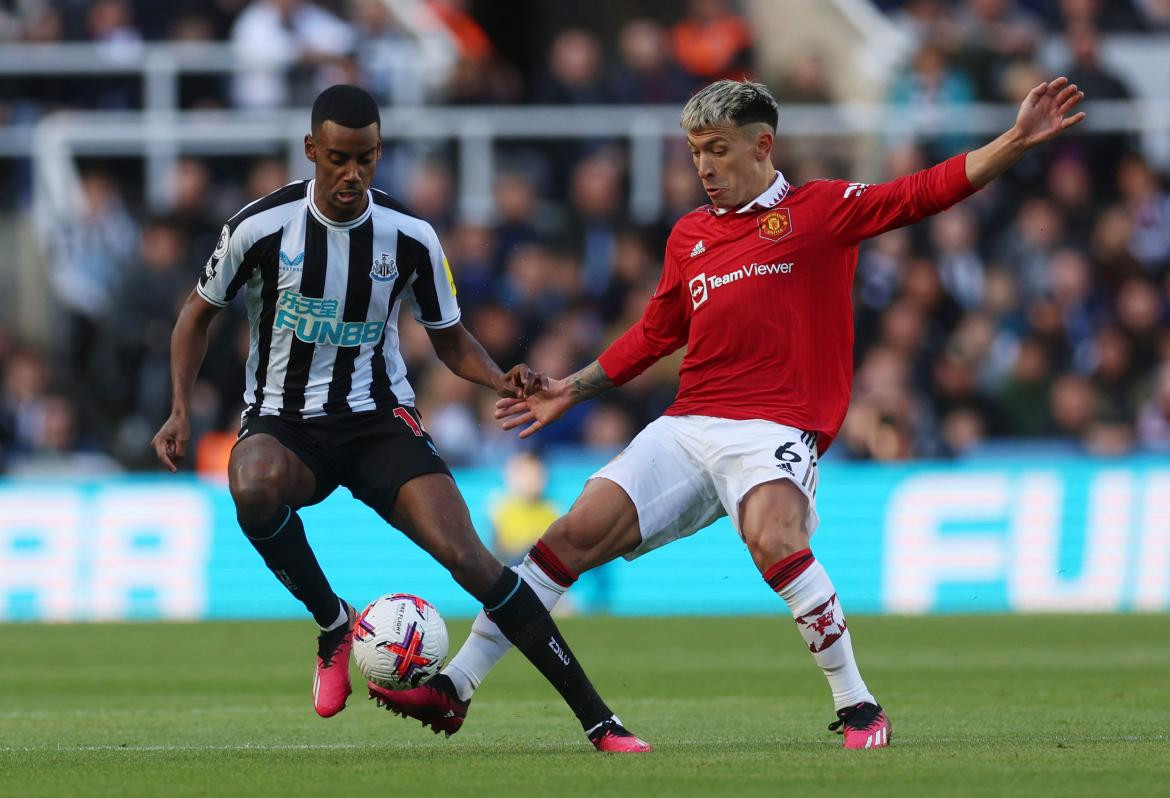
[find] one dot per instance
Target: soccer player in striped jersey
(757, 286)
(324, 265)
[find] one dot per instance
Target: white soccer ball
(399, 641)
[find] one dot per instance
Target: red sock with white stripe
(805, 586)
(486, 645)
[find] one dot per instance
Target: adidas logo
(699, 249)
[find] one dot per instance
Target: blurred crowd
(1035, 310)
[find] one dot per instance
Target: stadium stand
(1036, 312)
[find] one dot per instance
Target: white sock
(813, 603)
(342, 619)
(487, 645)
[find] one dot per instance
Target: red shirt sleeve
(857, 211)
(662, 329)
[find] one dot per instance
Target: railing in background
(1017, 535)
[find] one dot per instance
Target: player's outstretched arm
(546, 406)
(466, 357)
(188, 348)
(1043, 116)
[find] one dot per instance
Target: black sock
(514, 608)
(281, 542)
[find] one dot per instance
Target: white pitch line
(898, 742)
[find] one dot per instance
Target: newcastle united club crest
(384, 269)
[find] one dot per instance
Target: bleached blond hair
(735, 102)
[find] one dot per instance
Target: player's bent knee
(258, 491)
(773, 522)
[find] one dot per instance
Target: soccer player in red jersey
(757, 286)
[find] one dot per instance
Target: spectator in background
(919, 97)
(469, 249)
(515, 203)
(265, 176)
(523, 513)
(1148, 204)
(110, 25)
(595, 208)
(137, 332)
(57, 446)
(930, 21)
(525, 288)
(1154, 14)
(89, 260)
(1027, 246)
(1087, 71)
(22, 393)
(1070, 186)
(1023, 398)
(954, 234)
(1153, 424)
(646, 72)
(281, 44)
(191, 209)
(1070, 288)
(1114, 15)
(996, 34)
(479, 75)
(806, 81)
(574, 74)
(712, 42)
(428, 192)
(382, 47)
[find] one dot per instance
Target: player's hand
(1044, 112)
(521, 381)
(537, 410)
(170, 442)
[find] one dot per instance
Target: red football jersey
(762, 298)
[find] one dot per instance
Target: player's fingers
(536, 425)
(1065, 93)
(161, 449)
(506, 402)
(1055, 86)
(1071, 102)
(1035, 94)
(517, 421)
(1072, 120)
(516, 406)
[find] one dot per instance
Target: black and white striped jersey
(323, 299)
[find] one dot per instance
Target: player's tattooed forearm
(589, 382)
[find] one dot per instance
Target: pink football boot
(331, 677)
(612, 737)
(440, 709)
(864, 725)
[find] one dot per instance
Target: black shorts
(373, 453)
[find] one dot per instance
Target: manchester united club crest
(384, 269)
(775, 224)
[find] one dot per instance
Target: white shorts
(684, 472)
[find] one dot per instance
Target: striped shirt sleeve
(216, 283)
(432, 292)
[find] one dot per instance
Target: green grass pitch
(1023, 705)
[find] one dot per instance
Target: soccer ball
(399, 641)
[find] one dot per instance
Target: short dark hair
(349, 106)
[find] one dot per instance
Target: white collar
(325, 220)
(776, 191)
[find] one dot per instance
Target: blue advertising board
(1002, 536)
